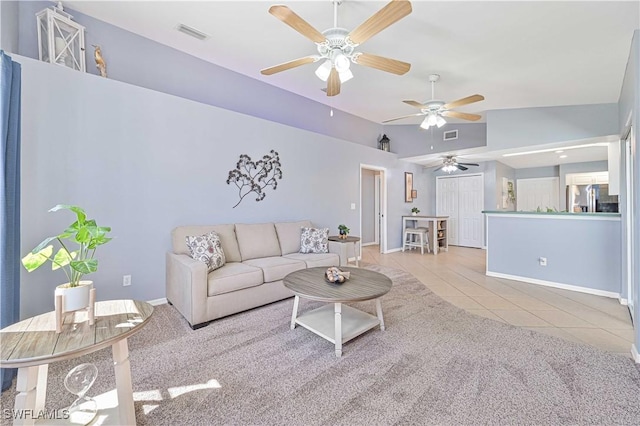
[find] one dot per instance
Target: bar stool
(409, 239)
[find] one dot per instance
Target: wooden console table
(33, 343)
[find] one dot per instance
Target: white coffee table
(338, 323)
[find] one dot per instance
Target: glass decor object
(60, 39)
(78, 381)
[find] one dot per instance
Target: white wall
(144, 162)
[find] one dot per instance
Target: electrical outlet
(126, 280)
(542, 261)
(353, 206)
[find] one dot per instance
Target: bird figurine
(100, 63)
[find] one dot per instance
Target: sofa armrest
(186, 286)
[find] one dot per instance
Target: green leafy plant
(75, 263)
(415, 210)
(343, 229)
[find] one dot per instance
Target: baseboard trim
(156, 302)
(570, 287)
(395, 250)
(635, 354)
(369, 244)
(624, 302)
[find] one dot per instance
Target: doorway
(630, 150)
(373, 206)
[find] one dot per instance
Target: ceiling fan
(336, 46)
(436, 110)
(450, 164)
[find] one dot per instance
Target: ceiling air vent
(190, 31)
(450, 135)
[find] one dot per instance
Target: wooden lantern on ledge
(60, 39)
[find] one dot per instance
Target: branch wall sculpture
(250, 176)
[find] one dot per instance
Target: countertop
(569, 214)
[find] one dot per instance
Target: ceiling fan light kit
(337, 45)
(450, 164)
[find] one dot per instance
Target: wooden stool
(408, 239)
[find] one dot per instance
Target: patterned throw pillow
(208, 249)
(314, 240)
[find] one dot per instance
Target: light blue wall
(629, 105)
(137, 60)
(579, 252)
(368, 206)
(538, 172)
(144, 162)
(411, 140)
(9, 26)
(524, 127)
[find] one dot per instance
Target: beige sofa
(258, 257)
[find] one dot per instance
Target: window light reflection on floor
(181, 390)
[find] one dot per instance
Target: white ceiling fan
(337, 46)
(435, 110)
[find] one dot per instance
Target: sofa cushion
(233, 276)
(289, 235)
(314, 240)
(207, 248)
(316, 259)
(227, 235)
(276, 268)
(257, 240)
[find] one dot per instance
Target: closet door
(447, 205)
(470, 205)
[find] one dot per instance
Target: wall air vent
(190, 31)
(450, 135)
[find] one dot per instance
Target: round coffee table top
(362, 285)
(344, 240)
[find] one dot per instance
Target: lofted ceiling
(517, 54)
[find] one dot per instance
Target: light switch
(353, 206)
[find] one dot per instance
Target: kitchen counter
(573, 251)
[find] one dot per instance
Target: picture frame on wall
(408, 187)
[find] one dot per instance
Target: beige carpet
(435, 364)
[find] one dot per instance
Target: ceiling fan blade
(469, 164)
(333, 83)
(464, 101)
(290, 18)
(462, 115)
(381, 63)
(391, 13)
(415, 104)
(404, 116)
(461, 167)
(288, 65)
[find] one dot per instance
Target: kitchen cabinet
(587, 178)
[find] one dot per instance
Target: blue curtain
(9, 199)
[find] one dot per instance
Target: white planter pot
(414, 214)
(74, 298)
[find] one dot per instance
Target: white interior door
(470, 206)
(447, 205)
(542, 193)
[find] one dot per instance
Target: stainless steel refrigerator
(591, 198)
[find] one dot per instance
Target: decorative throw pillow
(314, 240)
(208, 249)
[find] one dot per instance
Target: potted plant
(75, 263)
(415, 211)
(344, 231)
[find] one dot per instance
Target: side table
(357, 248)
(30, 345)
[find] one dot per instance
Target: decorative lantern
(383, 143)
(60, 40)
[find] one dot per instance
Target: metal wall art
(255, 176)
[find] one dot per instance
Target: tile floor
(458, 276)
